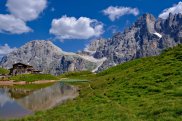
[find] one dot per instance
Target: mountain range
(148, 36)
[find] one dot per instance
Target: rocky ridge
(146, 37)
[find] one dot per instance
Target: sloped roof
(22, 64)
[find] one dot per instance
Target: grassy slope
(78, 75)
(143, 89)
(33, 77)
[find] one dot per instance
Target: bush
(4, 71)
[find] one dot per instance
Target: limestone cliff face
(48, 58)
(146, 37)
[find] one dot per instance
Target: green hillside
(146, 89)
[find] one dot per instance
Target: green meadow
(146, 89)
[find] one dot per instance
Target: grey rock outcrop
(48, 58)
(146, 37)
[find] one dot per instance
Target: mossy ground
(147, 89)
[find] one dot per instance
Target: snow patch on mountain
(157, 34)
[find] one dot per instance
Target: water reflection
(48, 97)
(42, 99)
(9, 107)
(4, 98)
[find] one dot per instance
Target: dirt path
(44, 81)
(11, 82)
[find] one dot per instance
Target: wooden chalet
(20, 68)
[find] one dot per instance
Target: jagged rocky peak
(171, 29)
(146, 37)
(174, 17)
(147, 22)
(170, 25)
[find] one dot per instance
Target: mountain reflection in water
(46, 98)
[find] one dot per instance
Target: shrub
(4, 71)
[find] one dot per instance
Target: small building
(20, 68)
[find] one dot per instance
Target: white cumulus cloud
(73, 28)
(11, 24)
(5, 49)
(26, 10)
(116, 12)
(20, 11)
(174, 10)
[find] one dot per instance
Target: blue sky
(91, 10)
